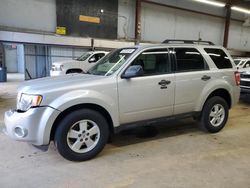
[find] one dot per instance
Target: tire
(214, 114)
(81, 135)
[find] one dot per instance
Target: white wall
(11, 58)
(29, 14)
(239, 37)
(126, 19)
(196, 6)
(20, 58)
(160, 23)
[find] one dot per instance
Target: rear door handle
(206, 78)
(164, 82)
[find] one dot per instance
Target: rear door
(192, 75)
(151, 95)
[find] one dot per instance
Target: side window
(94, 58)
(99, 56)
(219, 57)
(153, 62)
(189, 59)
(247, 64)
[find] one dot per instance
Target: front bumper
(32, 126)
(244, 89)
(57, 73)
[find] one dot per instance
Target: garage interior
(34, 34)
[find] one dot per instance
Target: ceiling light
(214, 3)
(241, 10)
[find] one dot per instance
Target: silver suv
(130, 86)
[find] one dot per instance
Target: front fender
(77, 97)
(108, 102)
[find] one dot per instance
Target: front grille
(245, 75)
(53, 68)
(245, 83)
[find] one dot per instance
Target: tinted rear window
(219, 57)
(189, 59)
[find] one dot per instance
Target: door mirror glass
(92, 60)
(133, 71)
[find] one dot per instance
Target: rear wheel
(214, 114)
(81, 135)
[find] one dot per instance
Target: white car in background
(242, 63)
(79, 65)
(245, 81)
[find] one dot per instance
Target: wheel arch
(223, 93)
(78, 70)
(91, 106)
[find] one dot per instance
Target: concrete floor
(178, 155)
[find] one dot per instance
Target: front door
(151, 95)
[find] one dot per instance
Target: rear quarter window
(219, 57)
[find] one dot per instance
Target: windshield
(236, 62)
(241, 63)
(84, 56)
(112, 62)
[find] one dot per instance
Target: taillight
(237, 78)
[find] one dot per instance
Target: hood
(245, 70)
(65, 62)
(59, 83)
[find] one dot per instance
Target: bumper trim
(37, 121)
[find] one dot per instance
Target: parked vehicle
(242, 63)
(245, 81)
(130, 86)
(79, 65)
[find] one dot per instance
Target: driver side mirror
(92, 60)
(133, 71)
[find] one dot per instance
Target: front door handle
(206, 78)
(164, 82)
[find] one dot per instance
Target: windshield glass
(111, 62)
(241, 63)
(84, 56)
(236, 62)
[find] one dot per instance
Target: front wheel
(214, 114)
(81, 135)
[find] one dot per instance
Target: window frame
(173, 54)
(247, 62)
(227, 55)
(171, 70)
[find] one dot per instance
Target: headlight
(26, 101)
(57, 67)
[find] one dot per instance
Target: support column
(138, 22)
(227, 24)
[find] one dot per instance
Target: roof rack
(173, 41)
